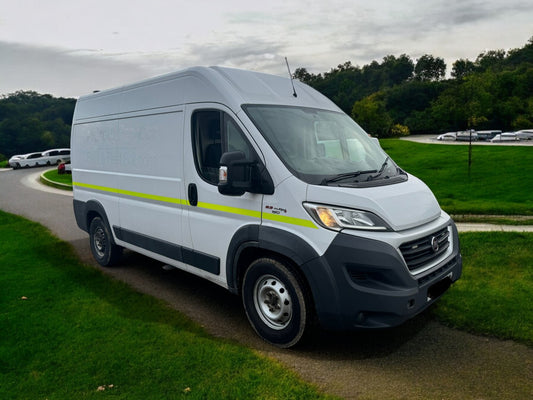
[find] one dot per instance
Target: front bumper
(365, 283)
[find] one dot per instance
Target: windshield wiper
(346, 175)
(380, 172)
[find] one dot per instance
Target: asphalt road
(420, 360)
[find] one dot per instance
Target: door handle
(193, 194)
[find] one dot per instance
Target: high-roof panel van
(272, 193)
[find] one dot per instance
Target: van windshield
(324, 147)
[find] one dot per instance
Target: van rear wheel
(275, 302)
(104, 250)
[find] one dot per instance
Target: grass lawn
(68, 330)
(494, 294)
(65, 179)
(500, 181)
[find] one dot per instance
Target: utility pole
(469, 153)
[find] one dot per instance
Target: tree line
(31, 122)
(399, 96)
(396, 96)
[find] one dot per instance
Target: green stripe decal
(208, 206)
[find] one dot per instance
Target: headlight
(337, 218)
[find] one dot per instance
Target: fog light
(360, 318)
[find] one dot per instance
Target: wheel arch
(85, 212)
(252, 242)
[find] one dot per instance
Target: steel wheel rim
(272, 302)
(100, 242)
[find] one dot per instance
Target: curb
(57, 185)
(475, 227)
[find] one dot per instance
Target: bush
(399, 130)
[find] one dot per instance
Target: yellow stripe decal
(290, 220)
(233, 210)
(215, 207)
(133, 194)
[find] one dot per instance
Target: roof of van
(229, 86)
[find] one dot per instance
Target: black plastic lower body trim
(192, 257)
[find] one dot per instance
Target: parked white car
(466, 136)
(448, 136)
(526, 134)
(24, 160)
(55, 156)
(48, 157)
(505, 137)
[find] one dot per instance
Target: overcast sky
(71, 47)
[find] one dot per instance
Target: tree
(494, 92)
(30, 122)
(462, 68)
(402, 100)
(372, 115)
(490, 59)
(429, 68)
(397, 70)
(303, 76)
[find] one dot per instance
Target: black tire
(104, 250)
(275, 302)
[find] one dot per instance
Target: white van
(276, 195)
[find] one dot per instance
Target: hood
(403, 205)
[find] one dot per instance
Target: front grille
(420, 252)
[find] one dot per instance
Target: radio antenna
(290, 76)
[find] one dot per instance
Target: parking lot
(433, 140)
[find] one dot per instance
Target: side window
(213, 133)
(235, 139)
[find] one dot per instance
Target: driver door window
(214, 133)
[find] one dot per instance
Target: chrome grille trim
(422, 253)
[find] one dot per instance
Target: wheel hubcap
(272, 302)
(100, 241)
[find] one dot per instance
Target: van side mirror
(235, 174)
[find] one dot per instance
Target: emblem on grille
(435, 244)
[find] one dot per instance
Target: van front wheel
(104, 251)
(275, 302)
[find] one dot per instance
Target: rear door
(211, 130)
